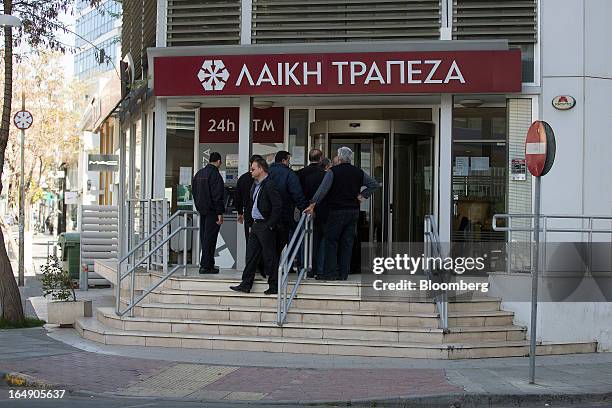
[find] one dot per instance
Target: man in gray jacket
(342, 188)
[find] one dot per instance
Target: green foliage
(56, 282)
(24, 324)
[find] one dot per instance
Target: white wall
(577, 61)
(588, 321)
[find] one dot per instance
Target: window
(479, 177)
(298, 131)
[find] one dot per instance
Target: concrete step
(315, 301)
(306, 330)
(323, 316)
(92, 329)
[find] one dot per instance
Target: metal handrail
(303, 234)
(433, 248)
(131, 271)
(545, 229)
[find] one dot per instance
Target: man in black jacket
(243, 187)
(208, 189)
(311, 184)
(264, 211)
(314, 161)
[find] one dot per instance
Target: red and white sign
(339, 73)
(220, 125)
(540, 148)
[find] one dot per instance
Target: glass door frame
(415, 129)
(320, 138)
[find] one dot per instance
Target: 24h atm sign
(339, 73)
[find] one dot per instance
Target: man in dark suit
(208, 189)
(265, 213)
(243, 188)
(314, 161)
(311, 184)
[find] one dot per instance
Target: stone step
(305, 330)
(323, 316)
(321, 302)
(91, 329)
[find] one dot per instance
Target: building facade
(96, 64)
(434, 97)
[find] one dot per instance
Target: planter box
(66, 313)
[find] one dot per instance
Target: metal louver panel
(203, 22)
(514, 20)
(139, 22)
(277, 21)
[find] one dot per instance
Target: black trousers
(282, 239)
(340, 233)
(318, 229)
(261, 244)
(208, 239)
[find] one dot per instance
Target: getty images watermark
(407, 265)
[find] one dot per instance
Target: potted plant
(63, 308)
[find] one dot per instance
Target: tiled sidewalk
(32, 352)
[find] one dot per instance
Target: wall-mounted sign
(339, 73)
(518, 170)
(220, 125)
(564, 102)
(71, 197)
(102, 162)
(57, 174)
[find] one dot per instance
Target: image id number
(36, 394)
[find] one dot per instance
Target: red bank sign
(339, 73)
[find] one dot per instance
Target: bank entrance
(399, 155)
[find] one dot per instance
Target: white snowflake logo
(213, 75)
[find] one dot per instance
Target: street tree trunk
(10, 298)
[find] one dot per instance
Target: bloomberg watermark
(569, 271)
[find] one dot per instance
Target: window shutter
(203, 22)
(282, 21)
(514, 20)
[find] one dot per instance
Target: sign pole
(534, 283)
(540, 151)
(21, 279)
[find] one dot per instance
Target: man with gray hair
(342, 188)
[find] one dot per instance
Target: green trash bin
(70, 242)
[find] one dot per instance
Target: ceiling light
(471, 103)
(263, 104)
(189, 105)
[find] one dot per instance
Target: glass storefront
(479, 179)
(297, 142)
(180, 136)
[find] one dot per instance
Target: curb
(424, 401)
(24, 380)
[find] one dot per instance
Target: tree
(40, 25)
(56, 103)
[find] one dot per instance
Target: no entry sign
(540, 148)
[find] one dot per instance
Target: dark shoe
(208, 271)
(271, 291)
(323, 278)
(241, 288)
(310, 274)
